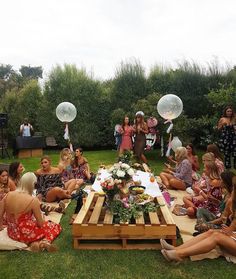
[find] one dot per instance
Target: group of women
(20, 207)
(212, 199)
(211, 195)
(223, 237)
(138, 131)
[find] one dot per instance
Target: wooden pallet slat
(154, 218)
(96, 211)
(140, 219)
(108, 219)
(84, 210)
(94, 229)
(165, 211)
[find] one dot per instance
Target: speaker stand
(3, 147)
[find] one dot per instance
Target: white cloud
(99, 34)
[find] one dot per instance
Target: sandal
(34, 246)
(61, 207)
(165, 245)
(49, 247)
(171, 255)
(72, 219)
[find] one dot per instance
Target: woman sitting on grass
(208, 192)
(50, 187)
(15, 172)
(80, 167)
(65, 165)
(205, 242)
(212, 148)
(178, 178)
(193, 158)
(207, 220)
(4, 184)
(24, 219)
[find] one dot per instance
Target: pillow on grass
(6, 243)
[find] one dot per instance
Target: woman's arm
(11, 185)
(221, 123)
(2, 210)
(37, 212)
(196, 163)
(144, 129)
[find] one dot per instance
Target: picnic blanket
(186, 227)
(6, 243)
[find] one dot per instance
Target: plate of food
(143, 198)
(135, 190)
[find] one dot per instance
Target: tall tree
(29, 72)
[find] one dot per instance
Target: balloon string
(67, 136)
(169, 146)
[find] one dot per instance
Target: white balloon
(170, 106)
(66, 112)
(175, 143)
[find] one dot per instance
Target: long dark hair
(213, 148)
(226, 108)
(227, 178)
(75, 162)
(192, 147)
(13, 170)
(123, 123)
(1, 171)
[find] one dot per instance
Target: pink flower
(126, 205)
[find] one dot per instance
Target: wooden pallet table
(93, 227)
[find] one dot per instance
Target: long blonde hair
(209, 162)
(181, 154)
(27, 182)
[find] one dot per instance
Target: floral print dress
(227, 144)
(25, 229)
(213, 207)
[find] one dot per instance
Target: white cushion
(6, 243)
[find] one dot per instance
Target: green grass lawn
(70, 263)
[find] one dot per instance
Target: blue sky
(99, 34)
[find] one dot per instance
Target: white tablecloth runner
(152, 188)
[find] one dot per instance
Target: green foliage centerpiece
(118, 198)
(120, 173)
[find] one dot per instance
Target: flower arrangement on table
(124, 206)
(121, 171)
(111, 187)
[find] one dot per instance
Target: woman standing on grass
(140, 130)
(24, 219)
(204, 243)
(227, 141)
(127, 132)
